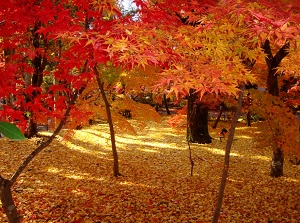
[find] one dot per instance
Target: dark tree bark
(249, 118)
(32, 127)
(166, 105)
(7, 201)
(39, 63)
(273, 88)
(277, 163)
(110, 123)
(197, 128)
(222, 106)
(273, 63)
(226, 159)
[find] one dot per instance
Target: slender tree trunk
(156, 107)
(226, 159)
(197, 128)
(166, 105)
(7, 201)
(110, 122)
(219, 117)
(273, 88)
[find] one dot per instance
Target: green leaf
(11, 131)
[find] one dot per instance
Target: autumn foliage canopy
(49, 50)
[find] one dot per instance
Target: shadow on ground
(72, 181)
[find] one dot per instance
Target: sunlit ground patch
(264, 158)
(74, 181)
(219, 151)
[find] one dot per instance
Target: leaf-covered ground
(72, 181)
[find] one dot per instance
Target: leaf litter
(72, 181)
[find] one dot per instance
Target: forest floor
(72, 181)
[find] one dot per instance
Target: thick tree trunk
(272, 82)
(31, 129)
(277, 163)
(249, 118)
(197, 130)
(273, 88)
(110, 122)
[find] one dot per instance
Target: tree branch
(267, 50)
(282, 53)
(227, 156)
(45, 144)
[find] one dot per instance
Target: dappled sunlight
(75, 176)
(234, 180)
(156, 141)
(44, 133)
(243, 137)
(148, 150)
(84, 176)
(82, 149)
(157, 144)
(220, 151)
(202, 145)
(289, 179)
(159, 139)
(258, 157)
(246, 128)
(53, 170)
(127, 183)
(78, 192)
(94, 132)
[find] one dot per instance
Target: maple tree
(90, 36)
(238, 41)
(183, 46)
(277, 27)
(215, 56)
(29, 52)
(25, 53)
(220, 51)
(27, 56)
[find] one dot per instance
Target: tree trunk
(249, 118)
(39, 63)
(273, 88)
(166, 105)
(197, 130)
(7, 201)
(5, 185)
(277, 163)
(219, 116)
(31, 129)
(110, 122)
(226, 159)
